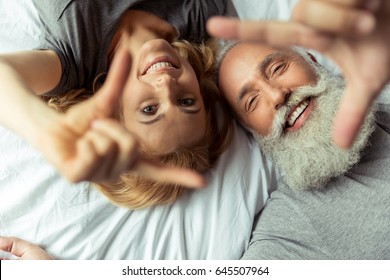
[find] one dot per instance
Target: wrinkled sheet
(74, 221)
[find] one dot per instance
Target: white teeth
(297, 112)
(158, 65)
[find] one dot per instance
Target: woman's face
(163, 107)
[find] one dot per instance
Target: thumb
(355, 104)
(107, 98)
(276, 33)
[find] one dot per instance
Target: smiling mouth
(297, 112)
(159, 64)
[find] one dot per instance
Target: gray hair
(224, 47)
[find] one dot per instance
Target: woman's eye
(150, 110)
(186, 102)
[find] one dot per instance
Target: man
(353, 33)
(333, 203)
(345, 213)
(307, 244)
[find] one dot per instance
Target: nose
(165, 85)
(278, 96)
(164, 81)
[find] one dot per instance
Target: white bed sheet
(76, 222)
(20, 27)
(73, 221)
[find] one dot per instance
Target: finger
(14, 246)
(127, 145)
(106, 152)
(223, 27)
(372, 5)
(130, 155)
(276, 33)
(7, 256)
(351, 114)
(109, 95)
(384, 8)
(84, 163)
(184, 177)
(105, 102)
(345, 20)
(95, 160)
(22, 249)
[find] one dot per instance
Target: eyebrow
(262, 66)
(161, 116)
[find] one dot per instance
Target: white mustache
(294, 99)
(308, 156)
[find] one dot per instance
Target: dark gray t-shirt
(350, 219)
(80, 31)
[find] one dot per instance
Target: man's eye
(278, 69)
(150, 110)
(186, 102)
(251, 102)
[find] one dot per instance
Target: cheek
(131, 125)
(262, 120)
(311, 77)
(191, 82)
(296, 79)
(128, 112)
(305, 74)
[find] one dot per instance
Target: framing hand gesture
(87, 143)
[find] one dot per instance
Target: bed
(74, 221)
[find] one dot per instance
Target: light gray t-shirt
(350, 219)
(80, 31)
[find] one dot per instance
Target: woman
(83, 149)
(173, 115)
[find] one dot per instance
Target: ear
(312, 57)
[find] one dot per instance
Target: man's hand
(88, 143)
(23, 249)
(365, 64)
(348, 32)
(360, 46)
(341, 17)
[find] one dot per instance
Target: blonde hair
(135, 191)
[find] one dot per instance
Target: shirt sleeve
(80, 33)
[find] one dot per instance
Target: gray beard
(308, 157)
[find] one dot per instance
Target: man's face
(257, 80)
(289, 106)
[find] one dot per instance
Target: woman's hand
(77, 144)
(23, 249)
(88, 143)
